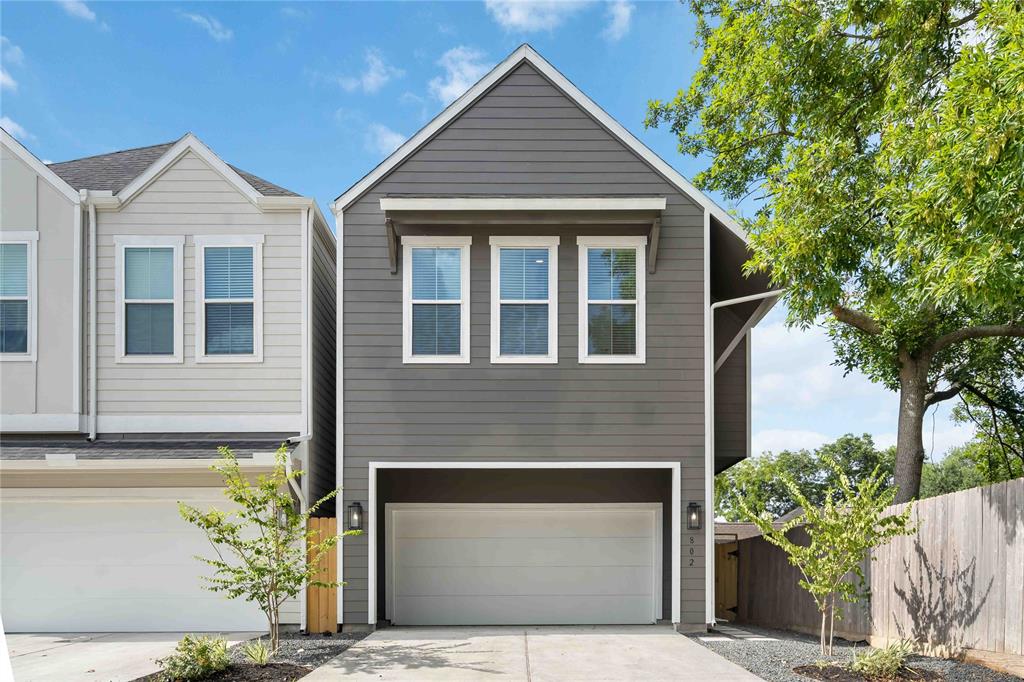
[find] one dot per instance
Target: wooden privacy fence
(957, 584)
(322, 602)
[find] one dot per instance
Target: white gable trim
(186, 144)
(523, 203)
(528, 54)
(39, 167)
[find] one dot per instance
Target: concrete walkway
(100, 657)
(530, 654)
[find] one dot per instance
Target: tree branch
(938, 396)
(856, 318)
(979, 332)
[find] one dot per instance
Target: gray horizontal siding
(523, 138)
(323, 369)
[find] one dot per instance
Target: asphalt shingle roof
(112, 172)
(14, 448)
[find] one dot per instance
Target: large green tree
(886, 140)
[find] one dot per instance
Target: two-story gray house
(543, 360)
(155, 303)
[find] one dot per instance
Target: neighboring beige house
(155, 303)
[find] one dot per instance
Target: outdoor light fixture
(694, 516)
(355, 516)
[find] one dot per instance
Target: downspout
(709, 436)
(92, 318)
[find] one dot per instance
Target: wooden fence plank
(322, 602)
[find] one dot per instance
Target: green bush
(256, 651)
(195, 658)
(882, 664)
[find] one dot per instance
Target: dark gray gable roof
(30, 448)
(114, 171)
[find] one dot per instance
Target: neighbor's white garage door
(108, 560)
(523, 564)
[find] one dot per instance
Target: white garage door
(109, 560)
(523, 564)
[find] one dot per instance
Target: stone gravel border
(773, 654)
(305, 650)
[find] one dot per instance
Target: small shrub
(256, 652)
(882, 664)
(195, 658)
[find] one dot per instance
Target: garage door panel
(136, 615)
(527, 580)
(88, 516)
(526, 551)
(518, 564)
(533, 523)
(85, 549)
(533, 610)
(111, 581)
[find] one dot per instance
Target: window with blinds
(612, 299)
(149, 301)
(14, 298)
(524, 285)
(436, 301)
(228, 299)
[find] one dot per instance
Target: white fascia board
(523, 203)
(528, 54)
(188, 143)
(138, 464)
(39, 167)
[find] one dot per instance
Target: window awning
(485, 211)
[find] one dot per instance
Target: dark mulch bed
(247, 672)
(836, 673)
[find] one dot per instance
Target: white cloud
(12, 54)
(80, 10)
(620, 14)
(7, 82)
(463, 66)
(383, 140)
(377, 74)
(532, 15)
(14, 129)
(777, 440)
(211, 25)
(293, 12)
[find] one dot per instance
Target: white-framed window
(524, 299)
(612, 316)
(229, 298)
(435, 299)
(148, 315)
(18, 300)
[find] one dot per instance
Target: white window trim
(30, 238)
(638, 242)
(408, 243)
(175, 242)
(551, 244)
(203, 242)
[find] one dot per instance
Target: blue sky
(311, 96)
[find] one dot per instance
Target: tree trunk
(909, 439)
(824, 613)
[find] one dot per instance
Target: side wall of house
(29, 203)
(190, 198)
(524, 137)
(323, 364)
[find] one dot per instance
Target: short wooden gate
(322, 602)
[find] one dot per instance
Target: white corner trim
(175, 242)
(523, 203)
(187, 143)
(551, 244)
(637, 242)
(371, 512)
(192, 423)
(339, 395)
(529, 55)
(30, 159)
(30, 238)
(203, 242)
(709, 431)
(463, 244)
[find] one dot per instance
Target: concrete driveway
(102, 656)
(531, 654)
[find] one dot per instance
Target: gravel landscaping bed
(296, 657)
(774, 660)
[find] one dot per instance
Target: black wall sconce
(694, 516)
(355, 516)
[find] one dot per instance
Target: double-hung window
(435, 299)
(524, 299)
(17, 295)
(612, 299)
(148, 287)
(229, 298)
